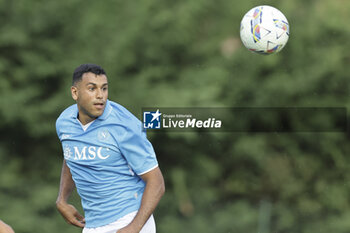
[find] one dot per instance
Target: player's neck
(85, 119)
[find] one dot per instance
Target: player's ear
(74, 91)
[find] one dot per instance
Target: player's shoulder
(67, 115)
(124, 118)
(120, 112)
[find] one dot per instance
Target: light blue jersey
(106, 161)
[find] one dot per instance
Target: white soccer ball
(264, 30)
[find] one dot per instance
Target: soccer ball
(264, 30)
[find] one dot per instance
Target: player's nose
(99, 94)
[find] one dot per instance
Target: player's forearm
(154, 191)
(4, 228)
(66, 185)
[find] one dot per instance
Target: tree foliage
(180, 54)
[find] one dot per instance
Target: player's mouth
(99, 106)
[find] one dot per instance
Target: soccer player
(4, 228)
(108, 158)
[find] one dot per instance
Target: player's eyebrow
(94, 84)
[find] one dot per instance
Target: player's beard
(92, 112)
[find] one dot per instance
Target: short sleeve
(137, 149)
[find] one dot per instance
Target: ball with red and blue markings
(264, 30)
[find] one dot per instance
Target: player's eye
(91, 88)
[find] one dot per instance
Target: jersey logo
(67, 152)
(91, 153)
(103, 134)
(65, 136)
(86, 153)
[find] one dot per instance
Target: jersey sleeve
(137, 149)
(58, 128)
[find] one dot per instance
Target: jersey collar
(106, 112)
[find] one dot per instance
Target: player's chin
(98, 113)
(98, 109)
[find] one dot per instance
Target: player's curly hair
(85, 68)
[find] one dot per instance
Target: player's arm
(154, 190)
(4, 228)
(69, 212)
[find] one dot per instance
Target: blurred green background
(181, 54)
